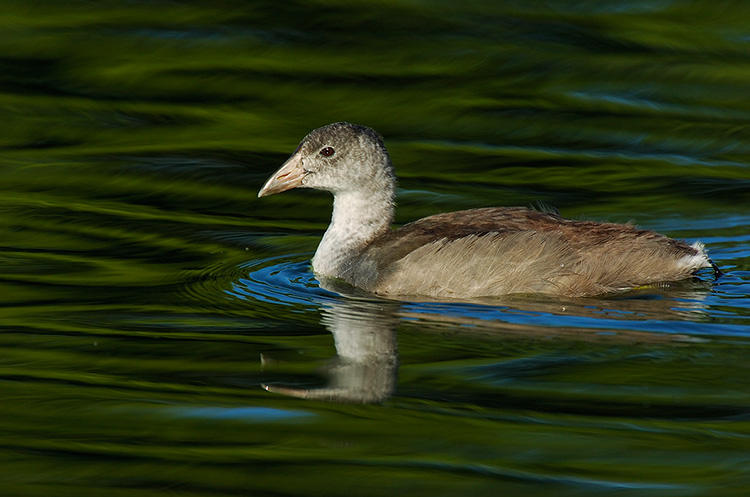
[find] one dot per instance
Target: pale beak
(289, 176)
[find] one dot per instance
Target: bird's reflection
(365, 367)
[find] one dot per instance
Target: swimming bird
(473, 253)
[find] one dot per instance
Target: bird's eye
(327, 152)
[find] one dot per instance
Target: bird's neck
(358, 219)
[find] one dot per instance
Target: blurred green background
(146, 293)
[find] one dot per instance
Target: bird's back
(499, 251)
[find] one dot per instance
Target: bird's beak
(289, 176)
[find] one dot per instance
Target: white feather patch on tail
(697, 261)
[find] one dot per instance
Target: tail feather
(701, 260)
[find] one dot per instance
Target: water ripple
(281, 280)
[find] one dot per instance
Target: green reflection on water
(141, 279)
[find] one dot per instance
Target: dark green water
(146, 294)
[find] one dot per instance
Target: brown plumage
(473, 253)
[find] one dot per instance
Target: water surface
(161, 332)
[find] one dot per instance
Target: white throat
(358, 218)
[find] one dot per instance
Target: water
(162, 333)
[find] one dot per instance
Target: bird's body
(473, 253)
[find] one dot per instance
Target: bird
(482, 252)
